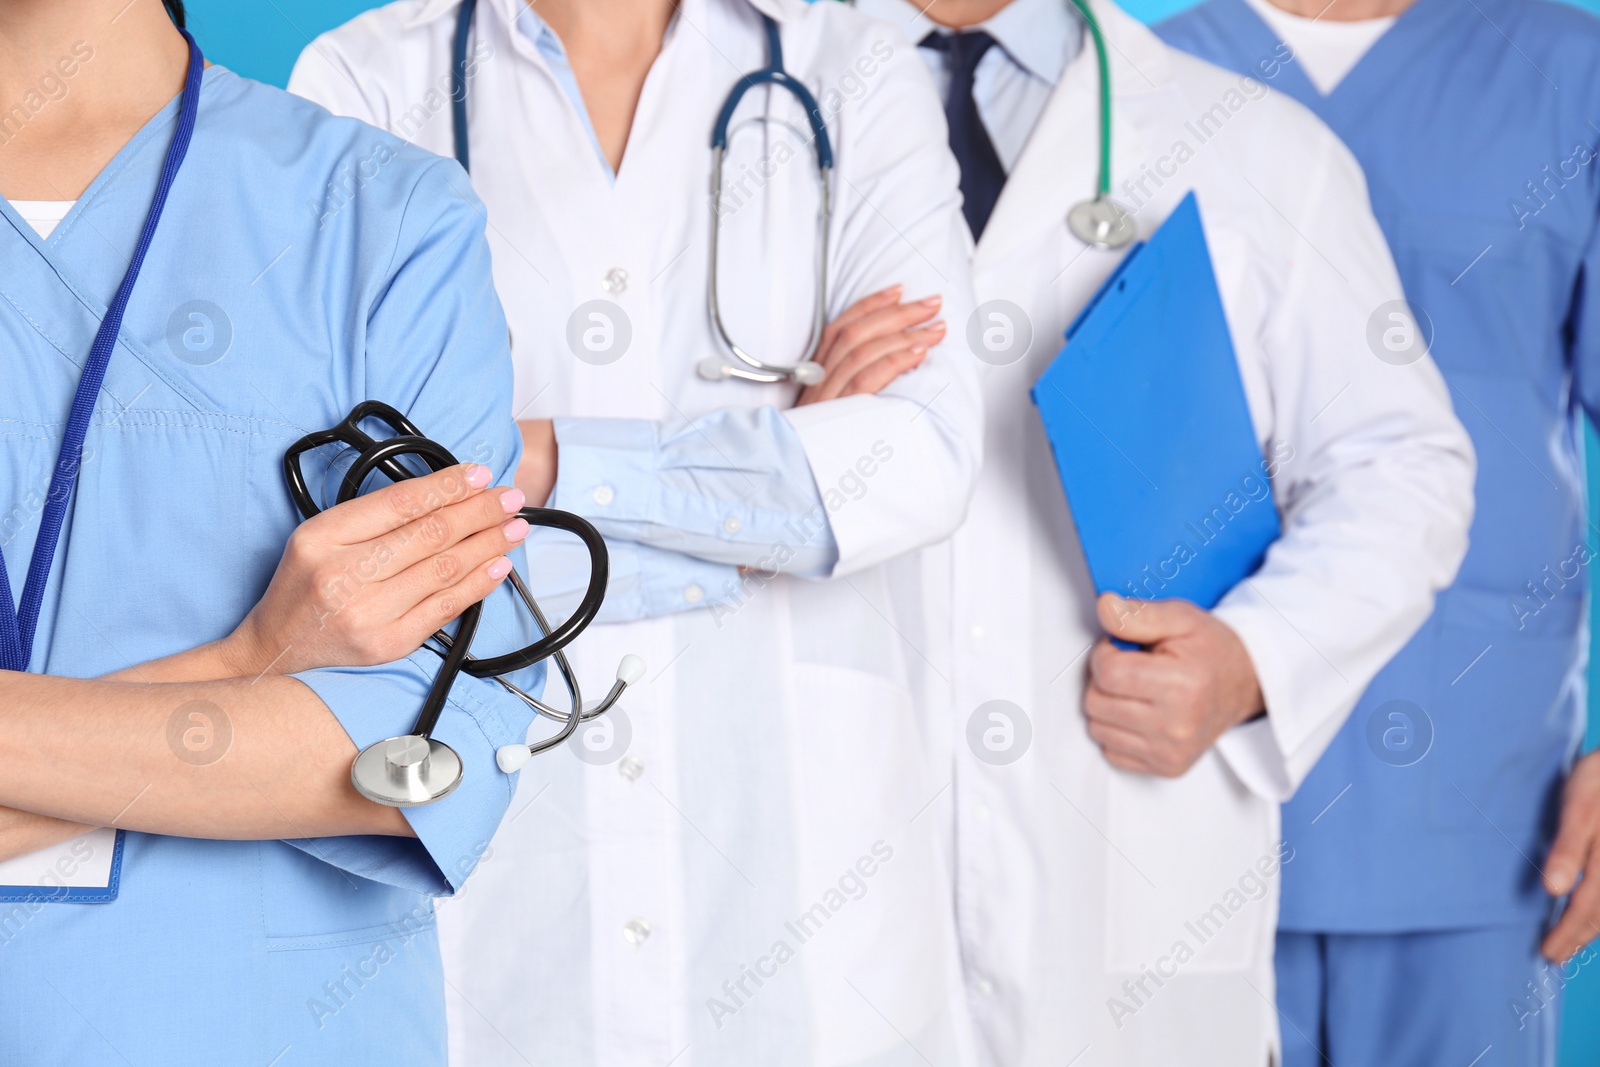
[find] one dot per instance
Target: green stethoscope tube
(1101, 222)
(1104, 187)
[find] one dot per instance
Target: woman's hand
(367, 581)
(876, 340)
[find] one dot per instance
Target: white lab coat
(1072, 877)
(774, 749)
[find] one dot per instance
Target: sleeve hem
(1256, 751)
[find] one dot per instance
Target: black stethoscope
(746, 366)
(417, 768)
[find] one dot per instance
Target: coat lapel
(1060, 165)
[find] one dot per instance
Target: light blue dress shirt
(684, 510)
(304, 263)
(1036, 39)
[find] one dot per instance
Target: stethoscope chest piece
(1102, 223)
(406, 771)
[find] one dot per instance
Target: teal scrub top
(304, 263)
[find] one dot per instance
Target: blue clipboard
(62, 894)
(1147, 418)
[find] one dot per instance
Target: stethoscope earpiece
(810, 373)
(630, 670)
(512, 758)
(713, 369)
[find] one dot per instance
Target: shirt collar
(429, 10)
(537, 30)
(1040, 36)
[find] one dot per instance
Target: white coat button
(616, 280)
(635, 931)
(981, 812)
(983, 985)
(604, 495)
(977, 632)
(631, 768)
(732, 524)
(694, 594)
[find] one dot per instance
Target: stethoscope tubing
(1101, 222)
(384, 456)
(745, 366)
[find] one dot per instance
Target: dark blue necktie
(982, 176)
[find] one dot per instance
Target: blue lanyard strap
(458, 81)
(17, 628)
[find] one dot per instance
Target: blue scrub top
(1478, 125)
(304, 263)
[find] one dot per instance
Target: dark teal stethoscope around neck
(745, 366)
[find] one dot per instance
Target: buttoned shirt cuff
(733, 488)
(643, 583)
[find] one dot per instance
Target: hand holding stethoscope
(371, 580)
(422, 552)
(417, 768)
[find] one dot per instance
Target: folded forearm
(275, 763)
(22, 832)
(212, 662)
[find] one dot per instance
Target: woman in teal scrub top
(195, 271)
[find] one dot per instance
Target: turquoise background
(261, 38)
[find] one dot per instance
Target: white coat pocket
(1192, 878)
(871, 909)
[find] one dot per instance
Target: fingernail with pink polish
(515, 530)
(477, 475)
(499, 568)
(931, 301)
(511, 501)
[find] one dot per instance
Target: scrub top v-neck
(273, 298)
